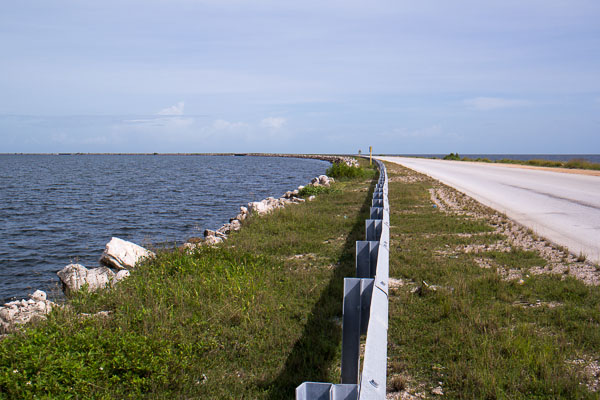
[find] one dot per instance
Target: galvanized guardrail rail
(365, 311)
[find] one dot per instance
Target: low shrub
(342, 170)
(452, 156)
(311, 190)
(545, 163)
(580, 163)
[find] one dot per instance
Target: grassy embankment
(252, 318)
(576, 163)
(479, 334)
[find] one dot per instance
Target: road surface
(563, 208)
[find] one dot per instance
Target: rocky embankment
(20, 312)
(120, 256)
(256, 207)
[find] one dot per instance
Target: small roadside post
(370, 155)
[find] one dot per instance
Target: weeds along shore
(251, 317)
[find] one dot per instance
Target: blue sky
(312, 76)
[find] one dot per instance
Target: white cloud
(223, 125)
(169, 122)
(273, 122)
(494, 103)
(176, 109)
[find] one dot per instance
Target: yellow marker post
(370, 155)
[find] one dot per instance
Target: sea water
(60, 209)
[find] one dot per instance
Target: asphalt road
(563, 208)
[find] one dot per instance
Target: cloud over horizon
(273, 122)
(176, 109)
(489, 72)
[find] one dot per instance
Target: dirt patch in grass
(589, 369)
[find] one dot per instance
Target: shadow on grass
(320, 343)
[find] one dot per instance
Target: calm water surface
(57, 209)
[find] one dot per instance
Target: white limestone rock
(208, 232)
(75, 276)
(236, 225)
(189, 247)
(213, 240)
(224, 230)
(324, 180)
(122, 274)
(240, 217)
(38, 295)
(258, 207)
(20, 312)
(121, 254)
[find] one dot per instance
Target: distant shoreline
(300, 155)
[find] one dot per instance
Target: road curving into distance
(563, 208)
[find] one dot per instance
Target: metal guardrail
(365, 311)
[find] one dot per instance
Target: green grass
(252, 318)
(471, 335)
(310, 190)
(516, 258)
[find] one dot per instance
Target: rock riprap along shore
(20, 312)
(118, 257)
(258, 208)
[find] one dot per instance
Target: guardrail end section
(326, 391)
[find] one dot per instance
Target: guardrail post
(376, 212)
(355, 319)
(366, 293)
(326, 391)
(373, 229)
(366, 258)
